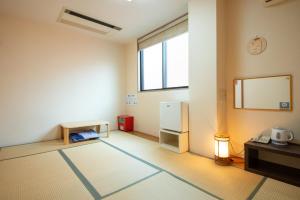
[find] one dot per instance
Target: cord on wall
(235, 153)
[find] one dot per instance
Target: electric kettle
(281, 136)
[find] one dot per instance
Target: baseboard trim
(144, 135)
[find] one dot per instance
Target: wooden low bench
(78, 125)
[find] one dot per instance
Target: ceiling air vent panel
(79, 20)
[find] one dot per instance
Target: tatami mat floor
(124, 166)
(42, 176)
(118, 170)
(38, 147)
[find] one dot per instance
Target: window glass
(177, 61)
(165, 65)
(152, 67)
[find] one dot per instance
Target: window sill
(164, 89)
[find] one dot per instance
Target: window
(165, 65)
(152, 67)
(177, 61)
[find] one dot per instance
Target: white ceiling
(136, 18)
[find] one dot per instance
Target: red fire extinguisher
(125, 123)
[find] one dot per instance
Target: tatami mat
(225, 182)
(44, 176)
(106, 168)
(39, 147)
(161, 187)
(276, 190)
(124, 166)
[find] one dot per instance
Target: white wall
(280, 26)
(50, 75)
(202, 93)
(203, 75)
(146, 112)
(216, 55)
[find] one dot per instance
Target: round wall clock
(257, 45)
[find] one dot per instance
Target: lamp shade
(222, 150)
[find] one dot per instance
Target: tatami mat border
(98, 196)
(154, 166)
(28, 155)
(132, 184)
(81, 177)
(49, 150)
(26, 143)
(256, 189)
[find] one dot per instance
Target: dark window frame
(164, 71)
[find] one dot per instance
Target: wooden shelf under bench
(174, 141)
(66, 127)
(274, 168)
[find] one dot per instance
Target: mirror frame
(260, 109)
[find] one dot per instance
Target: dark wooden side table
(276, 170)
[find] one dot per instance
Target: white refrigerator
(174, 116)
(174, 126)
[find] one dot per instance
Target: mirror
(264, 93)
(238, 94)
